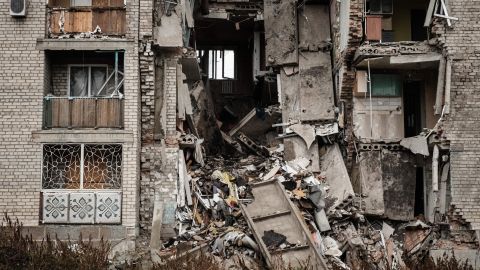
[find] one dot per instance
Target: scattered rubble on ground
(212, 190)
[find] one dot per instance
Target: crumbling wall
(461, 42)
(346, 73)
(386, 180)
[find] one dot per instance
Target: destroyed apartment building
(338, 134)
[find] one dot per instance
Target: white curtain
(99, 75)
(79, 81)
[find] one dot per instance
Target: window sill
(83, 136)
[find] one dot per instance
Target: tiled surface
(108, 207)
(82, 208)
(55, 208)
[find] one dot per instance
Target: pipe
(435, 168)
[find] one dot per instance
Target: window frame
(82, 163)
(89, 87)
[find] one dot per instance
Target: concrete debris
(417, 144)
(306, 132)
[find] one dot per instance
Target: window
(80, 3)
(88, 81)
(81, 183)
(82, 166)
(380, 6)
(221, 63)
(386, 85)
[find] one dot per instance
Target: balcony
(83, 112)
(86, 18)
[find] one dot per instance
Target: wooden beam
(448, 81)
(440, 87)
(428, 17)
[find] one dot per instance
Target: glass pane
(81, 3)
(375, 6)
(79, 81)
(387, 6)
(229, 65)
(386, 85)
(99, 76)
(61, 166)
(102, 166)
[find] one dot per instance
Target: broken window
(386, 85)
(82, 166)
(87, 81)
(393, 21)
(221, 64)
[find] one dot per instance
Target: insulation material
(281, 32)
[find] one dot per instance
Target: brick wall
(23, 81)
(462, 43)
(21, 93)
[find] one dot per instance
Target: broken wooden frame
(433, 7)
(108, 15)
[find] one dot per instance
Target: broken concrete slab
(336, 174)
(371, 182)
(312, 31)
(399, 181)
(306, 132)
(280, 18)
(417, 144)
(295, 147)
(316, 94)
(257, 123)
(169, 33)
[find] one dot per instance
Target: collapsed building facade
(105, 104)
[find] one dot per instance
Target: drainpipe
(116, 73)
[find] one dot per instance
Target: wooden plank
(428, 17)
(440, 87)
(374, 27)
(89, 112)
(448, 82)
(77, 112)
(111, 22)
(60, 113)
(54, 21)
(103, 108)
(78, 21)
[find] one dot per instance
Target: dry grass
(19, 251)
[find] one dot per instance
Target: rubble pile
(211, 217)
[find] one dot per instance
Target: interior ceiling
(384, 63)
(215, 32)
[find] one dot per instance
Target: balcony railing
(83, 112)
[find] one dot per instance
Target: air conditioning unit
(18, 8)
